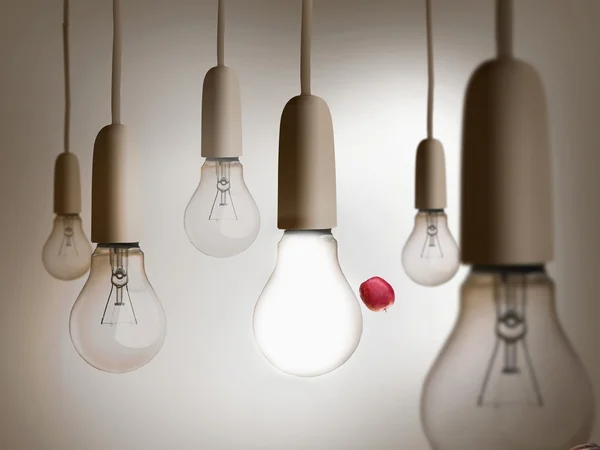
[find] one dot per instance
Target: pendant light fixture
(307, 321)
(430, 256)
(117, 323)
(508, 377)
(222, 218)
(66, 253)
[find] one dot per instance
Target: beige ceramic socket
(115, 187)
(221, 114)
(506, 182)
(306, 188)
(430, 175)
(67, 185)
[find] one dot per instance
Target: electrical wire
(65, 28)
(221, 33)
(504, 25)
(305, 49)
(430, 73)
(116, 63)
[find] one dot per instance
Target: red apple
(377, 294)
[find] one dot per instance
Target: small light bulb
(307, 321)
(222, 218)
(430, 256)
(66, 253)
(117, 323)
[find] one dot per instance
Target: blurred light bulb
(430, 256)
(66, 253)
(117, 323)
(222, 218)
(507, 373)
(307, 321)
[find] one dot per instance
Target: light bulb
(117, 323)
(430, 256)
(507, 378)
(307, 321)
(222, 218)
(66, 253)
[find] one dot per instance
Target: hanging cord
(430, 79)
(221, 33)
(504, 24)
(305, 48)
(65, 28)
(116, 64)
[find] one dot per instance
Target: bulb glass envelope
(222, 218)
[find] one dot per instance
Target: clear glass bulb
(222, 218)
(117, 323)
(430, 256)
(307, 320)
(507, 378)
(66, 253)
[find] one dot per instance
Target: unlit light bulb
(507, 378)
(66, 254)
(222, 218)
(117, 324)
(431, 256)
(307, 321)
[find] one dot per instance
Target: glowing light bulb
(507, 378)
(430, 256)
(222, 218)
(307, 321)
(117, 323)
(66, 253)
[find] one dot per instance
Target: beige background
(210, 387)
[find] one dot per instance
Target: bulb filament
(432, 247)
(511, 333)
(119, 308)
(68, 240)
(223, 207)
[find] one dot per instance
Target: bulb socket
(506, 190)
(221, 114)
(306, 198)
(67, 185)
(115, 216)
(430, 176)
